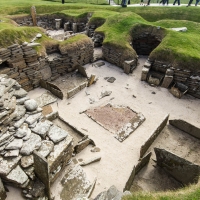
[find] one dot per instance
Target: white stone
(31, 105)
(181, 29)
(22, 131)
(30, 145)
(15, 144)
(57, 134)
(17, 175)
(46, 148)
(12, 153)
(27, 161)
(42, 128)
(39, 35)
(33, 118)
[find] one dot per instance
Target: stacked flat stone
(4, 54)
(24, 129)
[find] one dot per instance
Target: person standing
(176, 1)
(189, 3)
(197, 1)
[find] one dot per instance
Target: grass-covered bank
(189, 193)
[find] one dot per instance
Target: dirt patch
(47, 110)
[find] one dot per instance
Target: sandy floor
(119, 158)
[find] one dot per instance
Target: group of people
(163, 2)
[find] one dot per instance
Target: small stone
(105, 93)
(153, 93)
(111, 79)
(27, 161)
(31, 105)
(95, 149)
(39, 35)
(22, 131)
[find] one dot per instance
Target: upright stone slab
(34, 15)
(167, 81)
(153, 136)
(182, 170)
(58, 23)
(42, 171)
(2, 191)
(186, 127)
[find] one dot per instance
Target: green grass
(189, 193)
(117, 25)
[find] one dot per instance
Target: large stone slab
(17, 175)
(46, 73)
(20, 93)
(42, 128)
(6, 165)
(74, 182)
(57, 134)
(12, 153)
(186, 127)
(30, 145)
(111, 194)
(15, 144)
(153, 136)
(45, 99)
(130, 127)
(33, 118)
(181, 169)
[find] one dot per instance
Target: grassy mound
(189, 193)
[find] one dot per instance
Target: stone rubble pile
(23, 130)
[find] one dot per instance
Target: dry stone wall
(49, 22)
(23, 129)
(187, 78)
(22, 63)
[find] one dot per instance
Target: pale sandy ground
(118, 158)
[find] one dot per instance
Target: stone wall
(120, 57)
(49, 22)
(187, 78)
(23, 129)
(22, 63)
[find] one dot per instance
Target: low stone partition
(75, 90)
(182, 170)
(136, 169)
(52, 88)
(153, 136)
(23, 130)
(186, 127)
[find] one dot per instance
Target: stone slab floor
(118, 159)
